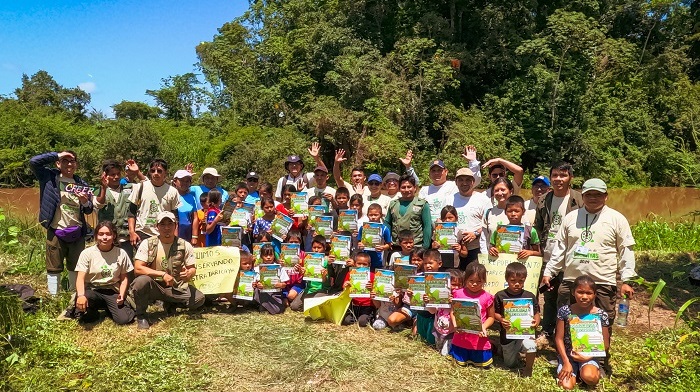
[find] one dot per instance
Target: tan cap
(210, 171)
(465, 171)
(165, 215)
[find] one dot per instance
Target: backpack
(30, 303)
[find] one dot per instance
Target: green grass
(212, 351)
(660, 235)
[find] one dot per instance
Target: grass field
(212, 350)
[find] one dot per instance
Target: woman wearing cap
(182, 180)
(295, 172)
(374, 183)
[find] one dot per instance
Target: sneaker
(379, 324)
(142, 323)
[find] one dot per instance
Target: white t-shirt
(281, 274)
(492, 219)
(382, 200)
(315, 191)
(162, 252)
(470, 213)
(154, 199)
(596, 252)
(296, 181)
(530, 212)
(438, 197)
(104, 269)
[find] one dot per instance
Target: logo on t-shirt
(587, 236)
(556, 218)
(106, 272)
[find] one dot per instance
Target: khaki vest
(174, 263)
(117, 211)
(412, 220)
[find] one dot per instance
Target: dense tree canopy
(611, 86)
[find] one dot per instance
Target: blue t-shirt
(376, 258)
(185, 214)
(199, 189)
(252, 198)
(213, 238)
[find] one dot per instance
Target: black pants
(550, 308)
(361, 314)
(473, 255)
(106, 299)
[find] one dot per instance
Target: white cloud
(88, 87)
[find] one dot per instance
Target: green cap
(594, 184)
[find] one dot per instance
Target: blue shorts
(464, 356)
(577, 365)
(406, 309)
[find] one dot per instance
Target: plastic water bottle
(623, 311)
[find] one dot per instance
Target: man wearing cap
(596, 241)
(540, 187)
(374, 183)
(252, 180)
(357, 175)
(551, 210)
(439, 193)
(295, 172)
(210, 180)
(182, 180)
(163, 266)
(321, 189)
(61, 213)
(470, 206)
(149, 198)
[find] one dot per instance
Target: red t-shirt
(361, 301)
(281, 208)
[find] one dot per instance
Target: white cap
(210, 171)
(182, 174)
(165, 215)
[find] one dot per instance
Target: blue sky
(115, 50)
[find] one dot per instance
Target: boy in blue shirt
(374, 214)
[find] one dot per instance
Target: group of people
(583, 242)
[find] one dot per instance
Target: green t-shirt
(525, 240)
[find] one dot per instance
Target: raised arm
(314, 151)
(511, 167)
(337, 175)
(470, 155)
(39, 162)
(409, 168)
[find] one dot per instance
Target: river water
(636, 204)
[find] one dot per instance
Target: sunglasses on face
(156, 170)
(252, 180)
(69, 161)
(498, 174)
(374, 183)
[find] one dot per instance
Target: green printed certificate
(437, 286)
(417, 285)
(244, 285)
(359, 276)
(467, 314)
(401, 274)
(446, 236)
(314, 264)
(383, 284)
(299, 205)
(519, 312)
(587, 335)
(269, 277)
(347, 220)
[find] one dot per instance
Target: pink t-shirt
(472, 341)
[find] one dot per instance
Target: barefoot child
(516, 273)
(469, 348)
(572, 365)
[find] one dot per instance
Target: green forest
(611, 86)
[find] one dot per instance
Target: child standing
(199, 223)
(264, 224)
(572, 365)
(374, 214)
(361, 310)
(425, 318)
(272, 302)
(529, 240)
(516, 273)
(296, 283)
(407, 245)
(469, 348)
(443, 329)
(214, 217)
(449, 214)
